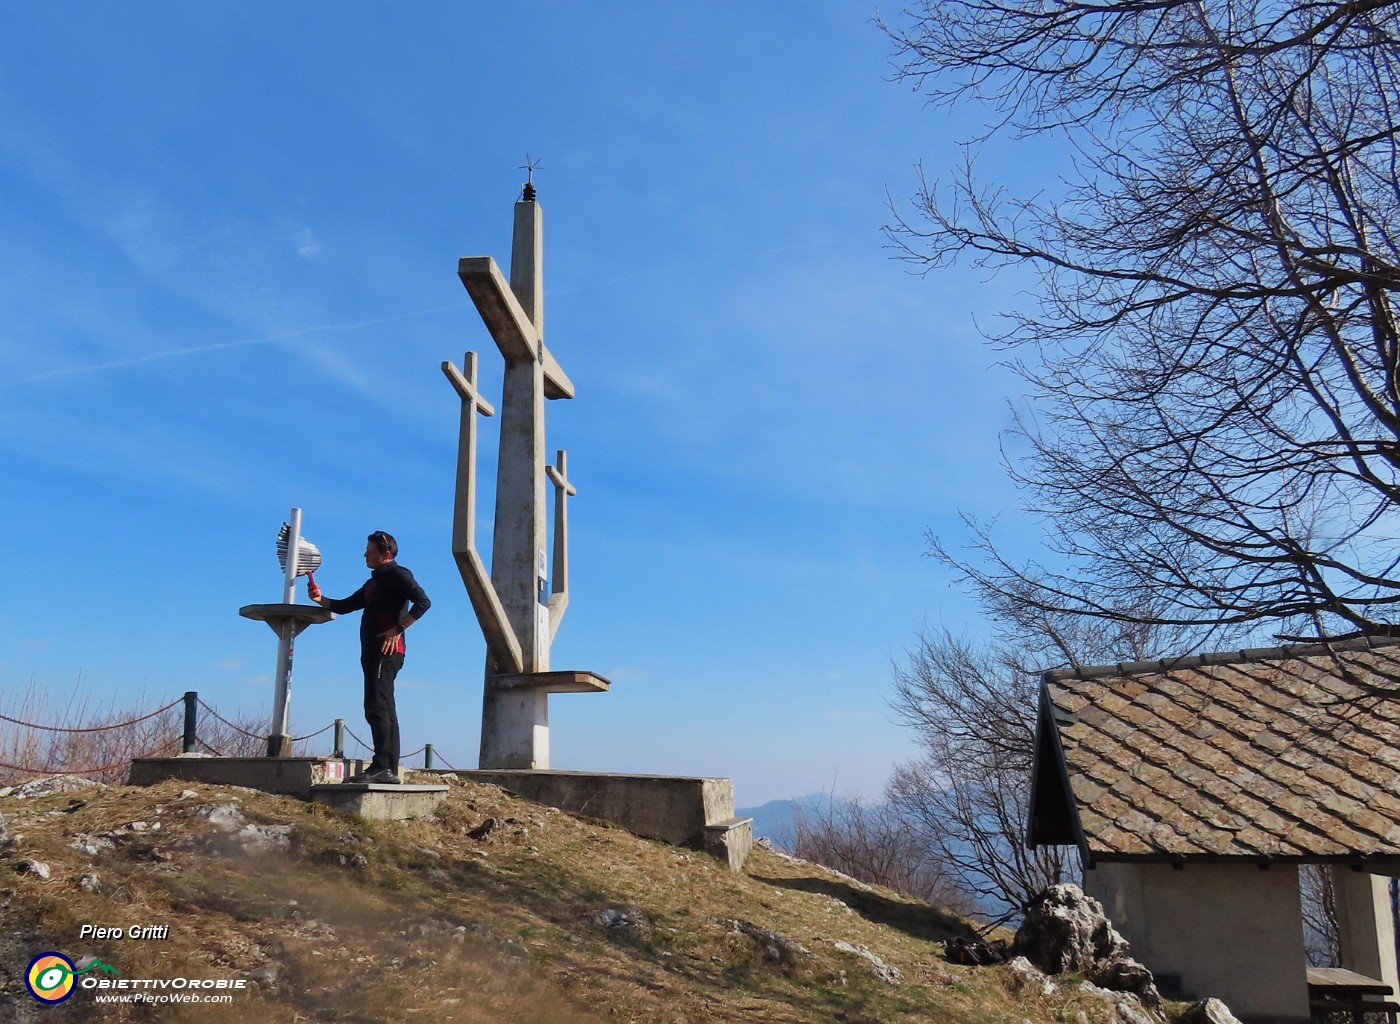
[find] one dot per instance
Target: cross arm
(558, 475)
(509, 324)
(510, 327)
(556, 381)
(465, 389)
(495, 624)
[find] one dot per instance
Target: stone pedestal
(381, 803)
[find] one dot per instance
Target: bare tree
(876, 845)
(974, 709)
(1321, 933)
(1212, 427)
(968, 794)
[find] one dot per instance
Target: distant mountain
(774, 819)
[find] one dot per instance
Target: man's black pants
(380, 712)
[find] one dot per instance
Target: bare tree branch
(1212, 424)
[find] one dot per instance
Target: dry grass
(418, 921)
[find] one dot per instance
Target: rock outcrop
(1065, 930)
(1208, 1011)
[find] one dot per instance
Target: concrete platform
(682, 810)
(567, 681)
(274, 615)
(381, 803)
(293, 776)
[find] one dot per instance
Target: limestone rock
(34, 867)
(1127, 975)
(1065, 930)
(1127, 1007)
(91, 846)
(224, 817)
(1129, 1011)
(57, 784)
(233, 834)
(258, 839)
(1025, 977)
(1208, 1011)
(886, 973)
(432, 927)
(611, 918)
(776, 948)
(266, 977)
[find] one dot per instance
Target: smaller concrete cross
(472, 403)
(563, 490)
(465, 383)
(487, 604)
(558, 475)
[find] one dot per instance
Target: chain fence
(105, 750)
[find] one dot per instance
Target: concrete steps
(381, 803)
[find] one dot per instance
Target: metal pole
(339, 738)
(279, 743)
(191, 713)
(289, 586)
(427, 755)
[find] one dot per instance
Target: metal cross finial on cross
(531, 165)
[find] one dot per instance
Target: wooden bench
(1354, 1011)
(1340, 996)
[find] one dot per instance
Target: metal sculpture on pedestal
(299, 557)
(518, 618)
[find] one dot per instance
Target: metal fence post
(191, 714)
(339, 738)
(427, 755)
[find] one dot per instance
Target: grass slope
(496, 910)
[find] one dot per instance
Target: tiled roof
(1285, 753)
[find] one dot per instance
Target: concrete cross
(517, 618)
(563, 490)
(464, 530)
(495, 623)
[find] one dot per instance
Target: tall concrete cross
(518, 618)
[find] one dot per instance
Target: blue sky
(231, 233)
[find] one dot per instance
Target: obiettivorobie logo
(50, 978)
(53, 976)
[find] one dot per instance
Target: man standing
(392, 601)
